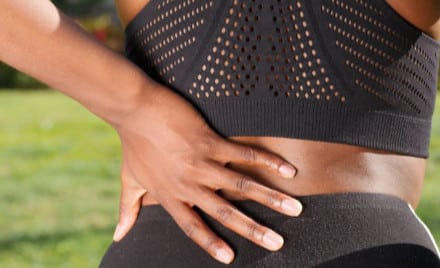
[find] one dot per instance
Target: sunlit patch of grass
(59, 175)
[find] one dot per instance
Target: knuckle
(273, 198)
(254, 231)
(208, 144)
(243, 184)
(249, 154)
(190, 228)
(223, 213)
(188, 193)
(211, 244)
(181, 182)
(189, 161)
(276, 162)
(271, 161)
(188, 168)
(180, 187)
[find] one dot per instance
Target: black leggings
(336, 230)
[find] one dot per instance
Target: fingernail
(292, 207)
(273, 241)
(117, 233)
(224, 256)
(287, 171)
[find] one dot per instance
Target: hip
(334, 230)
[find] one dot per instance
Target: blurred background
(59, 165)
(98, 17)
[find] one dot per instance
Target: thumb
(129, 206)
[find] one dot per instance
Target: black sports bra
(343, 71)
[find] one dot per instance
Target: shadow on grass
(40, 240)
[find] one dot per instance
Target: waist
(365, 229)
(325, 168)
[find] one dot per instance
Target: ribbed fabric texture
(336, 230)
(344, 71)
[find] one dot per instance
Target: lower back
(330, 168)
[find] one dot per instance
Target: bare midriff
(325, 167)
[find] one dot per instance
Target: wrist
(135, 96)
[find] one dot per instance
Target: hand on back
(171, 154)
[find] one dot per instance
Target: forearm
(39, 40)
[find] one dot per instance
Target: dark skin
(171, 157)
(329, 167)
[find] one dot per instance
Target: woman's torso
(325, 167)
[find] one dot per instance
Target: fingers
(236, 221)
(130, 204)
(233, 152)
(245, 186)
(195, 228)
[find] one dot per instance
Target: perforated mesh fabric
(386, 59)
(346, 71)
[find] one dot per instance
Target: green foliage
(105, 30)
(59, 176)
(80, 8)
(11, 78)
(102, 27)
(7, 75)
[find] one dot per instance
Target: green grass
(59, 182)
(429, 208)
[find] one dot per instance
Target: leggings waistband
(313, 205)
(334, 230)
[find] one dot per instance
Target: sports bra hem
(372, 129)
